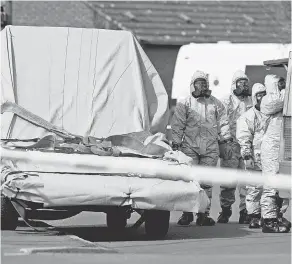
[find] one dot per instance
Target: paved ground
(227, 243)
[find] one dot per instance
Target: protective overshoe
(272, 225)
(186, 219)
(255, 221)
(284, 221)
(224, 215)
(203, 219)
(244, 218)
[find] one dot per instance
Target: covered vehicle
(75, 104)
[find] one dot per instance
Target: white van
(220, 61)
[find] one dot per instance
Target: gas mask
(259, 97)
(281, 84)
(242, 88)
(201, 89)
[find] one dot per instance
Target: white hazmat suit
(272, 105)
(250, 130)
(235, 106)
(196, 124)
(259, 136)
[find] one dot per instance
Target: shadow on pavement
(102, 233)
(175, 233)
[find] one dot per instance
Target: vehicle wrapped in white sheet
(52, 186)
(91, 83)
(88, 81)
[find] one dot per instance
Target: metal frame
(276, 63)
(287, 104)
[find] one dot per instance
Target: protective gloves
(225, 149)
(175, 146)
(248, 162)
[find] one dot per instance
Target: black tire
(156, 223)
(9, 216)
(116, 220)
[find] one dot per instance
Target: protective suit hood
(198, 75)
(271, 83)
(257, 88)
(273, 102)
(237, 75)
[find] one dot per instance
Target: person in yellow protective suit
(272, 105)
(238, 102)
(249, 133)
(195, 125)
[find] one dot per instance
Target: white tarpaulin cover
(90, 82)
(61, 184)
(55, 190)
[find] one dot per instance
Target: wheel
(156, 223)
(116, 219)
(9, 216)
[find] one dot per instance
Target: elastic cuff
(246, 155)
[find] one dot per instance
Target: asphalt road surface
(223, 243)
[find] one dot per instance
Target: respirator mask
(259, 97)
(242, 88)
(201, 89)
(281, 84)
